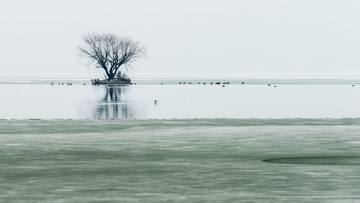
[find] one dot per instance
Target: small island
(120, 79)
(111, 52)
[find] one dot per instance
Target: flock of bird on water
(190, 83)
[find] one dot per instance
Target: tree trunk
(111, 76)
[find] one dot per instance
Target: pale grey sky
(192, 37)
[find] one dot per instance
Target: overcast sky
(191, 37)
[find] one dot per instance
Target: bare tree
(110, 52)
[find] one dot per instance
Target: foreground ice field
(204, 160)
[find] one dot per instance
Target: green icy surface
(203, 160)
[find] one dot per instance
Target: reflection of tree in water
(113, 105)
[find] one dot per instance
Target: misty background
(186, 37)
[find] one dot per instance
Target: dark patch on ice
(318, 160)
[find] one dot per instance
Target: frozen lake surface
(201, 160)
(37, 99)
(198, 144)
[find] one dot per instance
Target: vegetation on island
(111, 52)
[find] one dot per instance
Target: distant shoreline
(165, 81)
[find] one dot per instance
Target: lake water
(199, 143)
(37, 99)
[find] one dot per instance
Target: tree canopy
(110, 52)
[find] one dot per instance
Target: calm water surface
(40, 100)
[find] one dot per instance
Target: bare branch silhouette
(110, 52)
